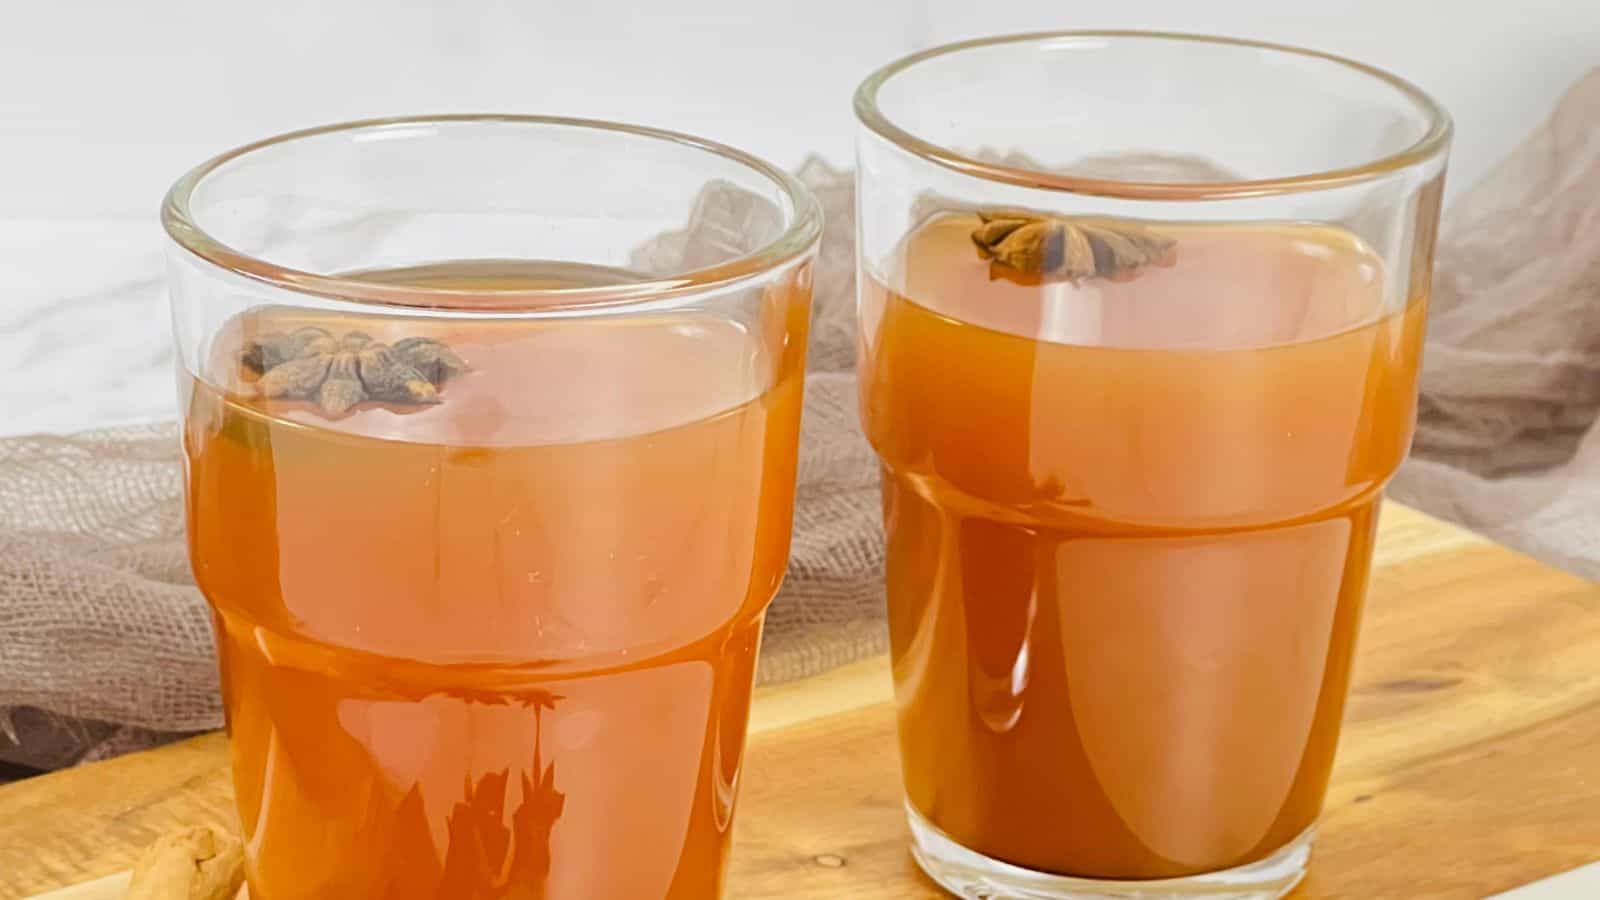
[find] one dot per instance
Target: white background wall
(104, 102)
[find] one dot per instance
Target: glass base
(973, 876)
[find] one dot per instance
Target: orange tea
(1130, 523)
(498, 644)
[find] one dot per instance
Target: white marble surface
(1578, 884)
(104, 102)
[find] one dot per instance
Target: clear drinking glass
(1141, 318)
(491, 428)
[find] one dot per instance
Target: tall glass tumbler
(491, 430)
(1141, 319)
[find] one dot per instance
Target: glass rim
(799, 237)
(1428, 146)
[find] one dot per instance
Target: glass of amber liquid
(1141, 318)
(491, 433)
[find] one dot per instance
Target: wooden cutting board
(1470, 762)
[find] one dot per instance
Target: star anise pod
(337, 373)
(1067, 249)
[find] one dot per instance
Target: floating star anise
(337, 373)
(1067, 249)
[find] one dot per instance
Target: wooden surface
(1470, 761)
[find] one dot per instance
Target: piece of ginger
(193, 864)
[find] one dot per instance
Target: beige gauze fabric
(1506, 436)
(105, 645)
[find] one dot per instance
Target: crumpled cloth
(1506, 437)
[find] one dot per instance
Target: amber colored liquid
(501, 647)
(1129, 530)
